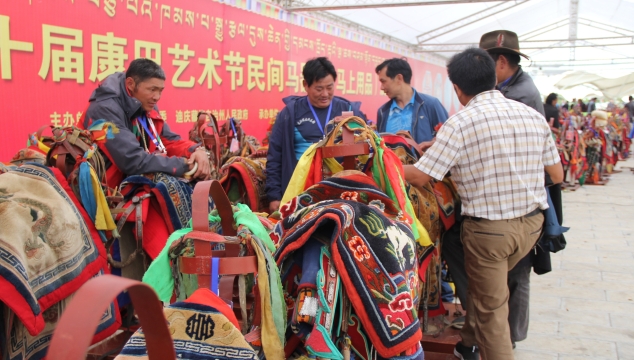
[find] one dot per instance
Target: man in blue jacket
(407, 109)
(301, 123)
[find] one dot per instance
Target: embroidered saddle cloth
(49, 247)
(243, 178)
(202, 327)
(47, 250)
(344, 233)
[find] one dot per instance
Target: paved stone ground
(584, 308)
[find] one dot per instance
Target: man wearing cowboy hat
(513, 82)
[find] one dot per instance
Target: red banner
(235, 60)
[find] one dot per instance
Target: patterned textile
(29, 155)
(203, 327)
(423, 200)
(47, 250)
(426, 209)
(172, 197)
(374, 255)
(243, 179)
(496, 149)
(255, 241)
(593, 159)
(381, 164)
(448, 199)
(21, 345)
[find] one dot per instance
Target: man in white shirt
(497, 150)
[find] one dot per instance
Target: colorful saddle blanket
(350, 221)
(427, 210)
(172, 202)
(19, 344)
(243, 179)
(381, 164)
(202, 327)
(47, 250)
(165, 277)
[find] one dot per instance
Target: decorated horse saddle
(349, 271)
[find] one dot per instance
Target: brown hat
(501, 41)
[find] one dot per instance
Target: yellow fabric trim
(103, 217)
(43, 147)
(298, 180)
(273, 347)
(296, 185)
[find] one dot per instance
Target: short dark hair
(396, 66)
(631, 98)
(316, 69)
(512, 58)
(143, 69)
(473, 71)
(550, 98)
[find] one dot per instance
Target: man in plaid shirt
(497, 150)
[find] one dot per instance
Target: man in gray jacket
(513, 82)
(144, 143)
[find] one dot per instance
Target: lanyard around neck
(143, 120)
(321, 128)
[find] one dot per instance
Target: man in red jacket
(145, 143)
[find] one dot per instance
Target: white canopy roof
(612, 88)
(558, 35)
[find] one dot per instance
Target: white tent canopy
(611, 88)
(559, 35)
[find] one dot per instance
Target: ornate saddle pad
(374, 253)
(47, 251)
(202, 327)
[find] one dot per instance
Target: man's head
(504, 48)
(395, 76)
(631, 98)
(551, 99)
(471, 72)
(506, 65)
(145, 81)
(319, 81)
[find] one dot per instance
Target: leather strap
(348, 149)
(40, 131)
(410, 141)
(137, 204)
(230, 264)
(212, 141)
(201, 265)
(200, 207)
(79, 321)
(60, 163)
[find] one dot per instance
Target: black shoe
(513, 343)
(466, 352)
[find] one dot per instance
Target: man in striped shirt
(497, 150)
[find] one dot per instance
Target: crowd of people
(480, 145)
(503, 150)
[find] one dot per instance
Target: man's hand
(426, 145)
(415, 177)
(274, 206)
(199, 157)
